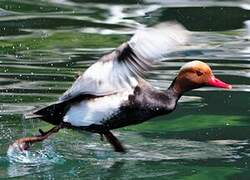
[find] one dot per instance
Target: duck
(113, 92)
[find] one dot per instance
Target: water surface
(45, 44)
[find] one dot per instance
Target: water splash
(46, 155)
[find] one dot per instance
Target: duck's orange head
(196, 74)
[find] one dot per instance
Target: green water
(44, 44)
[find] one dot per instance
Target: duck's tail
(31, 115)
(52, 114)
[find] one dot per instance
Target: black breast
(144, 104)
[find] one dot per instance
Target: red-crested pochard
(112, 92)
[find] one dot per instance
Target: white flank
(96, 110)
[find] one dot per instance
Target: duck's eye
(199, 73)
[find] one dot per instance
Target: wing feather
(122, 68)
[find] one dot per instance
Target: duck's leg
(101, 137)
(117, 145)
(24, 143)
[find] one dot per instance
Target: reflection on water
(45, 44)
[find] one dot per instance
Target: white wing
(121, 68)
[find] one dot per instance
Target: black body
(145, 103)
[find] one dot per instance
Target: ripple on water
(92, 150)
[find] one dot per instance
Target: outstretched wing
(122, 68)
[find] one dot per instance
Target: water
(44, 44)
